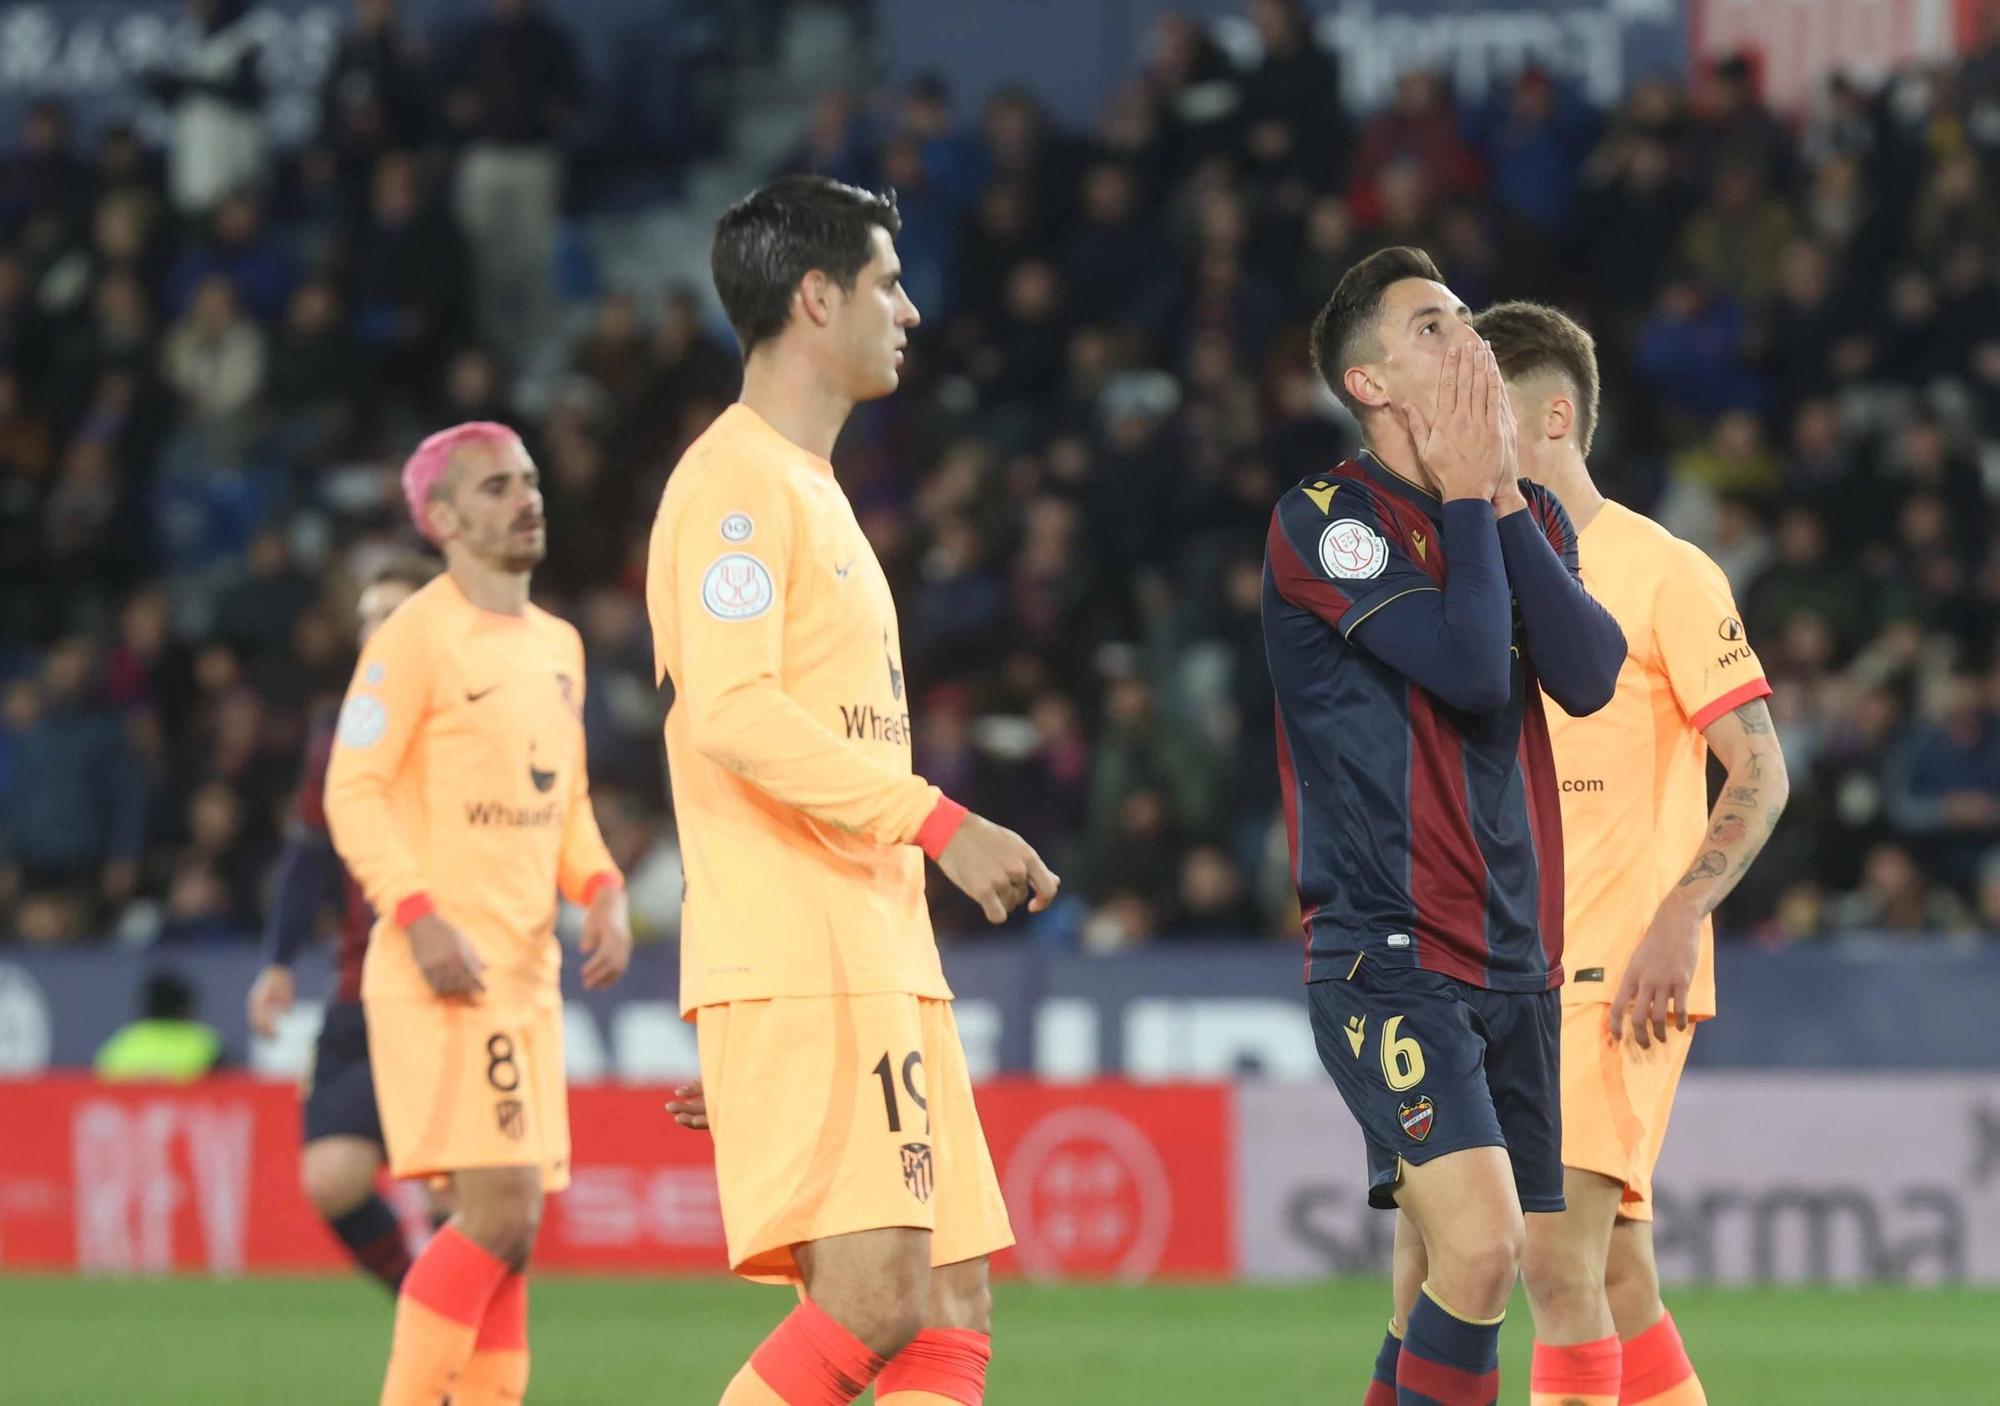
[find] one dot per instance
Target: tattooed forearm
(1707, 867)
(1728, 830)
(1755, 720)
(1741, 795)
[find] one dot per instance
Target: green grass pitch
(621, 1342)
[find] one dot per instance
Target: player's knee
(962, 1299)
(1633, 1287)
(334, 1185)
(1481, 1271)
(886, 1326)
(504, 1226)
(1562, 1271)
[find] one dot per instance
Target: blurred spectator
(1420, 126)
(1944, 794)
(1735, 240)
(257, 264)
(44, 176)
(1295, 129)
(1895, 897)
(376, 96)
(74, 808)
(515, 96)
(216, 96)
(406, 282)
(214, 360)
(1691, 351)
(168, 1043)
(1536, 135)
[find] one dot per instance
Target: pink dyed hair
(424, 469)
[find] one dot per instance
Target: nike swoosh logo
(472, 697)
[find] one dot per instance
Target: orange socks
(809, 1360)
(1583, 1374)
(1657, 1370)
(497, 1375)
(439, 1313)
(940, 1367)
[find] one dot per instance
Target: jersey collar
(1394, 482)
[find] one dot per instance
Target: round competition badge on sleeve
(736, 587)
(363, 720)
(737, 527)
(1350, 550)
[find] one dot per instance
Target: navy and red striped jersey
(1421, 834)
(351, 908)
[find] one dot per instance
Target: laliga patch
(1350, 550)
(737, 587)
(737, 527)
(1416, 1116)
(363, 720)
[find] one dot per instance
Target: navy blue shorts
(1429, 1064)
(340, 1099)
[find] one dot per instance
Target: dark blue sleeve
(1456, 643)
(1340, 560)
(1576, 647)
(308, 877)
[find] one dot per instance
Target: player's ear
(1364, 386)
(815, 297)
(442, 518)
(1559, 418)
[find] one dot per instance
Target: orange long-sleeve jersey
(789, 738)
(458, 786)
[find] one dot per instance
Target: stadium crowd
(213, 357)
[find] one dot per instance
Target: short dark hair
(770, 239)
(1532, 337)
(404, 569)
(1344, 331)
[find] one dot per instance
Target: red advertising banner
(1799, 44)
(1103, 1180)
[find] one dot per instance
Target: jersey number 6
(885, 1070)
(1402, 1057)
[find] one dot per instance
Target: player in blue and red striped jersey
(1418, 601)
(343, 1148)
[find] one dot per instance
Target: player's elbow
(1590, 695)
(1485, 686)
(716, 735)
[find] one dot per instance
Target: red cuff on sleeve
(417, 905)
(936, 833)
(1729, 702)
(600, 881)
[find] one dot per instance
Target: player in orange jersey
(343, 1149)
(1646, 862)
(849, 1155)
(457, 795)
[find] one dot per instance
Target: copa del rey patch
(1351, 550)
(737, 586)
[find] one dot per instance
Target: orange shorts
(461, 1086)
(834, 1114)
(1616, 1100)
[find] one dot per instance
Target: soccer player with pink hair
(457, 795)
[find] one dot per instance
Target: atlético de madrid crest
(917, 1169)
(1416, 1116)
